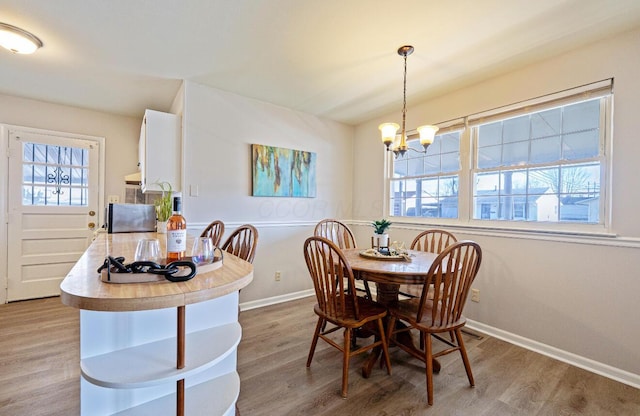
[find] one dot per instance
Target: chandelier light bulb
(427, 134)
(389, 131)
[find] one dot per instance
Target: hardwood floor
(39, 372)
(39, 358)
(509, 380)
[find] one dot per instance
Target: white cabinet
(159, 150)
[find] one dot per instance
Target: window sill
(570, 236)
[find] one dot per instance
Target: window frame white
(468, 144)
(456, 125)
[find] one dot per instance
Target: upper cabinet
(159, 151)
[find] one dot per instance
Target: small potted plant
(164, 207)
(380, 236)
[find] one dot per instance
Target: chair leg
(390, 326)
(428, 359)
(345, 361)
(451, 335)
(314, 341)
(385, 349)
(367, 289)
(465, 359)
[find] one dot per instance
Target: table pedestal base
(387, 293)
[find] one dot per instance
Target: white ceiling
(332, 58)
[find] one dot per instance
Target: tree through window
(541, 166)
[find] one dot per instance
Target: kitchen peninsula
(159, 347)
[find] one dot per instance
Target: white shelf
(214, 397)
(154, 363)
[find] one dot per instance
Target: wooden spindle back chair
(214, 230)
(242, 242)
(342, 236)
(431, 241)
(339, 306)
(337, 232)
(451, 274)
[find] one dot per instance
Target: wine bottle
(176, 232)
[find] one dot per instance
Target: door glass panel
(64, 171)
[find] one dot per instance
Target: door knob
(92, 225)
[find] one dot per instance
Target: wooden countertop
(83, 288)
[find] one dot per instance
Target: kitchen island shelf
(199, 402)
(154, 363)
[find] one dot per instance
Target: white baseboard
(245, 306)
(596, 367)
(254, 304)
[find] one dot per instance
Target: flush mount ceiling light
(390, 130)
(18, 40)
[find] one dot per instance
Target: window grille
(54, 175)
(544, 160)
(426, 185)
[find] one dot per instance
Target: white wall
(121, 146)
(577, 295)
(219, 128)
(121, 133)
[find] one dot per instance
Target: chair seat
(407, 310)
(369, 311)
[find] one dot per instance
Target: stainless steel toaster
(129, 218)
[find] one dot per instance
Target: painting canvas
(283, 172)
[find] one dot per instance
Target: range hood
(133, 179)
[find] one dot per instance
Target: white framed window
(539, 164)
(426, 184)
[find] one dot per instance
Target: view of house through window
(54, 175)
(542, 166)
(539, 162)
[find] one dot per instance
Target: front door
(53, 197)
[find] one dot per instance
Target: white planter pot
(380, 240)
(161, 227)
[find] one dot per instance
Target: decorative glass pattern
(54, 175)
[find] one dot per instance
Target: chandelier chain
(404, 97)
(390, 130)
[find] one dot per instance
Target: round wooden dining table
(389, 274)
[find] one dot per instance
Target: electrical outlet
(113, 199)
(475, 295)
(277, 276)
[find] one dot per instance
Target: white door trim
(4, 186)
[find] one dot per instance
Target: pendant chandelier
(390, 130)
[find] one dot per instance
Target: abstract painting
(283, 172)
